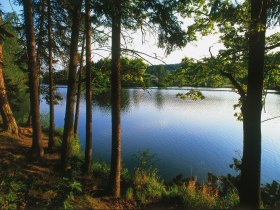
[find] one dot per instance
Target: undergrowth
(143, 186)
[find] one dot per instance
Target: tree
(115, 172)
(133, 15)
(51, 80)
(71, 91)
(5, 110)
(88, 150)
(41, 20)
(252, 107)
(37, 148)
(15, 68)
(242, 27)
(77, 112)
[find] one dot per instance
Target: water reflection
(103, 101)
(159, 99)
(189, 137)
(136, 97)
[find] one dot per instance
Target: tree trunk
(9, 121)
(88, 151)
(38, 56)
(37, 148)
(66, 152)
(51, 80)
(29, 119)
(79, 91)
(115, 172)
(251, 160)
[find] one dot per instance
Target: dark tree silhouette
(71, 91)
(51, 80)
(252, 107)
(37, 148)
(115, 172)
(39, 49)
(88, 151)
(77, 112)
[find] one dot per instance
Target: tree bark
(79, 91)
(88, 150)
(115, 172)
(9, 121)
(51, 80)
(38, 56)
(37, 148)
(66, 152)
(251, 160)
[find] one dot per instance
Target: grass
(25, 184)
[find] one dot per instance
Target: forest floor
(26, 183)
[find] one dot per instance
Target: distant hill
(167, 67)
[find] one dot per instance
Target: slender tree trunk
(66, 152)
(9, 121)
(38, 57)
(51, 80)
(251, 161)
(88, 151)
(29, 119)
(37, 148)
(79, 90)
(115, 172)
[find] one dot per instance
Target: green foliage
(11, 190)
(270, 194)
(76, 148)
(229, 201)
(147, 186)
(192, 195)
(145, 161)
(197, 74)
(129, 193)
(60, 77)
(125, 175)
(20, 190)
(75, 187)
(45, 120)
(14, 68)
(132, 71)
(45, 93)
(101, 168)
(192, 94)
(59, 132)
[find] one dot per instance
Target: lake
(188, 137)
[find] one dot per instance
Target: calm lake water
(188, 137)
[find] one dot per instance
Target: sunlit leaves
(132, 71)
(192, 94)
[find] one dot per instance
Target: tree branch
(142, 53)
(271, 47)
(231, 78)
(270, 119)
(234, 82)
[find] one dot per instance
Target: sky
(196, 50)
